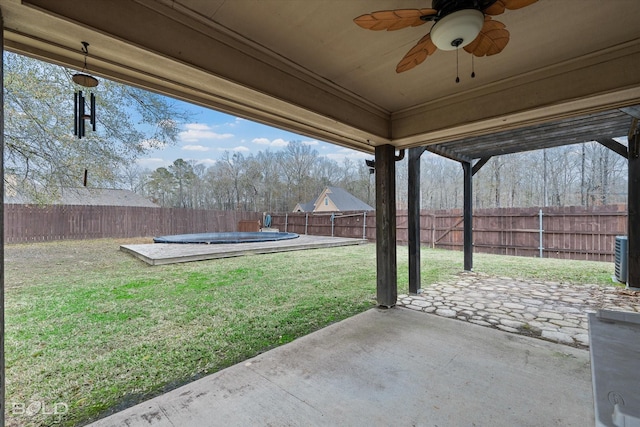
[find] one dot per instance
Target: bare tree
(42, 154)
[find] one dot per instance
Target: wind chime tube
(81, 115)
(93, 111)
(75, 113)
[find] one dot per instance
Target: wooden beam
(614, 145)
(633, 225)
(448, 153)
(479, 164)
(573, 130)
(413, 193)
(386, 261)
(447, 231)
(633, 111)
(468, 216)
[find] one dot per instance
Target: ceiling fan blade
(492, 39)
(391, 20)
(417, 54)
(500, 5)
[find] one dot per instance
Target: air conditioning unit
(621, 259)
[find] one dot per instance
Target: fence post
(541, 247)
(333, 216)
(364, 225)
(306, 221)
(433, 231)
(286, 220)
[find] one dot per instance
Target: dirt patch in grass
(26, 263)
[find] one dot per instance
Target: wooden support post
(633, 224)
(386, 262)
(413, 190)
(468, 216)
(2, 328)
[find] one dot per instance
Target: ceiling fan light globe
(457, 29)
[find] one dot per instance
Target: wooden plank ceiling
(589, 127)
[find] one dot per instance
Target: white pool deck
(168, 253)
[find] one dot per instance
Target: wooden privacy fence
(359, 225)
(569, 233)
(32, 223)
(572, 233)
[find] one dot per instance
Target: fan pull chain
(457, 62)
(473, 72)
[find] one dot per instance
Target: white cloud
(346, 153)
(313, 142)
(196, 132)
(207, 162)
(152, 162)
(195, 148)
(197, 126)
(238, 121)
(152, 144)
(279, 142)
(261, 141)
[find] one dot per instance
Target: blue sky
(211, 133)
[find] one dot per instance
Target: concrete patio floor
(388, 367)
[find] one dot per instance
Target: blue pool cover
(232, 237)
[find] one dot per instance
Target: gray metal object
(621, 259)
(614, 338)
(541, 234)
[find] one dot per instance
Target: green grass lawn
(94, 329)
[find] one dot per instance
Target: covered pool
(229, 237)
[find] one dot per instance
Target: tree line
(586, 174)
(266, 182)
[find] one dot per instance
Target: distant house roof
(88, 197)
(334, 199)
(304, 207)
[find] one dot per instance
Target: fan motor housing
(445, 7)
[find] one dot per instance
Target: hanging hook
(85, 50)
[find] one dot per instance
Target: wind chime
(79, 100)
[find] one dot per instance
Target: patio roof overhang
(306, 67)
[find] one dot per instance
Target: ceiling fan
(457, 24)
